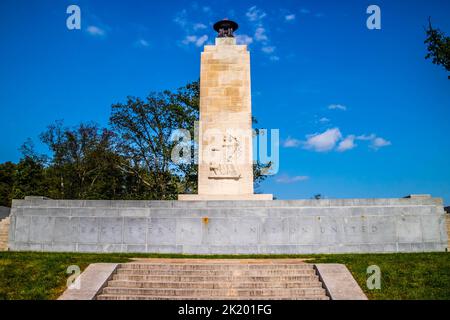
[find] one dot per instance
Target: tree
(438, 46)
(29, 179)
(84, 164)
(7, 171)
(144, 129)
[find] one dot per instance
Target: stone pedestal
(414, 224)
(225, 170)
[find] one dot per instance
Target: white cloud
(201, 40)
(180, 18)
(337, 107)
(324, 120)
(379, 143)
(243, 39)
(194, 32)
(142, 43)
(316, 15)
(260, 34)
(290, 17)
(189, 39)
(323, 142)
(347, 144)
(332, 139)
(288, 179)
(375, 142)
(268, 49)
(199, 26)
(365, 137)
(254, 14)
(291, 143)
(197, 40)
(96, 31)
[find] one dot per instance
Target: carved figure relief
(225, 167)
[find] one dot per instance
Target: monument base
(223, 197)
(413, 224)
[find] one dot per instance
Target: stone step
(173, 266)
(243, 293)
(4, 233)
(212, 285)
(194, 280)
(144, 297)
(217, 272)
(183, 278)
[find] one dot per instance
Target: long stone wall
(300, 226)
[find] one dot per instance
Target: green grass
(33, 275)
(404, 276)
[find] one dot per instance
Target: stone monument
(225, 170)
(235, 224)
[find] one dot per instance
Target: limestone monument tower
(225, 152)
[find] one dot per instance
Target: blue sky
(361, 113)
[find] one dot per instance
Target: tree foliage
(83, 163)
(144, 130)
(7, 171)
(438, 46)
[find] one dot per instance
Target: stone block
(136, 248)
(66, 230)
(89, 231)
(410, 230)
(21, 228)
(41, 229)
(110, 230)
(189, 231)
(135, 230)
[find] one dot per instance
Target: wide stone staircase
(4, 231)
(183, 279)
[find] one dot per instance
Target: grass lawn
(33, 275)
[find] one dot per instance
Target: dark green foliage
(7, 171)
(144, 130)
(438, 46)
(29, 179)
(84, 163)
